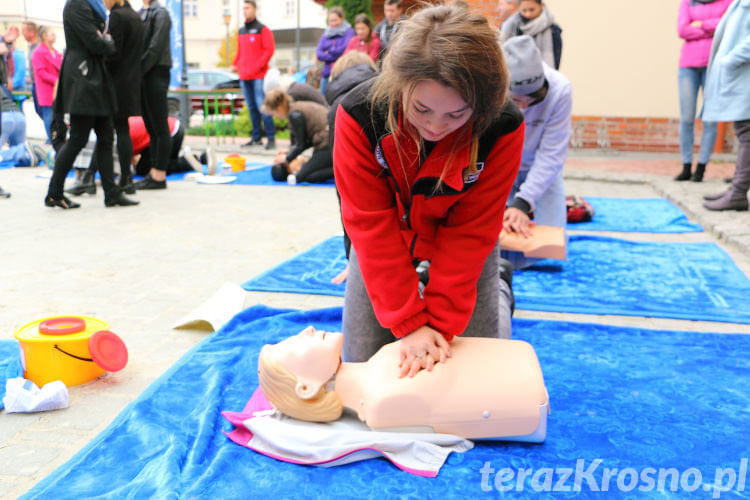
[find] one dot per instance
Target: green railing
(218, 111)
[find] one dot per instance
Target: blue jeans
(253, 92)
(690, 81)
(14, 134)
(324, 84)
(47, 119)
(549, 210)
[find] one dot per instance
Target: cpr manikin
(488, 388)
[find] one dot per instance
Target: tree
(352, 8)
(233, 35)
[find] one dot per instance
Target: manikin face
(248, 10)
(312, 355)
(530, 9)
(392, 13)
(334, 21)
(436, 110)
(362, 30)
(507, 8)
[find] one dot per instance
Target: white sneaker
(30, 152)
(211, 160)
(40, 152)
(193, 162)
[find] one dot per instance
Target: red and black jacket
(397, 213)
(255, 47)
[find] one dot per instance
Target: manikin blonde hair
(279, 386)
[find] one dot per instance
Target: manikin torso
(489, 388)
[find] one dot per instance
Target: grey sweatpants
(363, 335)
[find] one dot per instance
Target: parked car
(210, 79)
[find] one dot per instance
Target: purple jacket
(697, 46)
(330, 49)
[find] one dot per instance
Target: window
(191, 8)
(290, 8)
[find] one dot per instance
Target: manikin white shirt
(336, 443)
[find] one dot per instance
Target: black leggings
(80, 126)
(154, 104)
(124, 144)
(319, 168)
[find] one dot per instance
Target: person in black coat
(156, 62)
(86, 92)
(126, 29)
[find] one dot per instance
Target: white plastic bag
(23, 396)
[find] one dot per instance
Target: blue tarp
(10, 364)
(632, 398)
(636, 215)
(697, 281)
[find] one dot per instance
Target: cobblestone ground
(143, 268)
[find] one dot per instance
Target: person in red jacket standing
(425, 156)
(255, 47)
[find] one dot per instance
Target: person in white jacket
(545, 98)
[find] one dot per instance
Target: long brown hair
(455, 47)
(362, 18)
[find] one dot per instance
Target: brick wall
(637, 134)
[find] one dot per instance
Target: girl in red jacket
(366, 40)
(424, 158)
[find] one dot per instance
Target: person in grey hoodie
(545, 98)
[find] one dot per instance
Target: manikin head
(249, 10)
(530, 9)
(392, 11)
(293, 374)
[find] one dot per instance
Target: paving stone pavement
(142, 268)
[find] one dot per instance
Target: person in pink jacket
(696, 23)
(46, 62)
(366, 40)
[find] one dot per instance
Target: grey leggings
(363, 335)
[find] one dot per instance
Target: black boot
(86, 184)
(685, 174)
(126, 183)
(119, 199)
(700, 169)
(506, 274)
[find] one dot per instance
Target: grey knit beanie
(525, 65)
